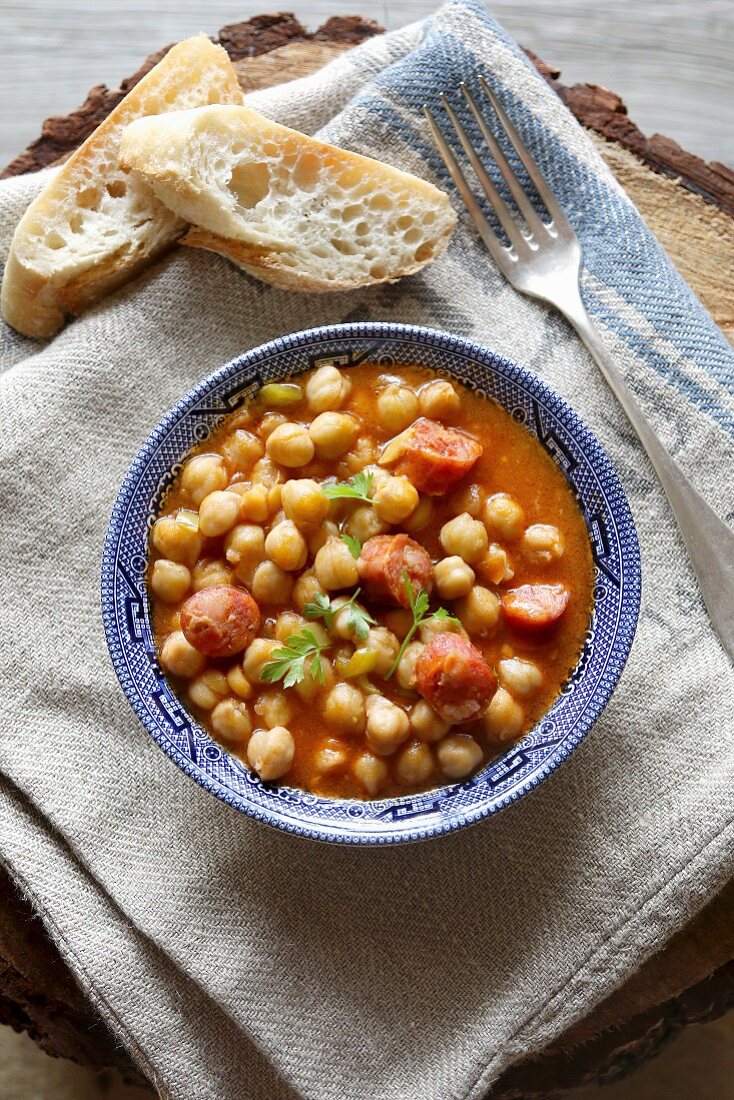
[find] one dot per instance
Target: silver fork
(543, 260)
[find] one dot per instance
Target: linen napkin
(234, 961)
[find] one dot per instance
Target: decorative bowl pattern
(575, 450)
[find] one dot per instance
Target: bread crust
(37, 297)
(264, 265)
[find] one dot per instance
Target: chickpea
(306, 589)
(275, 492)
(218, 513)
(495, 565)
(479, 611)
(176, 541)
(395, 500)
(406, 667)
(206, 690)
(364, 522)
(335, 567)
(210, 571)
(371, 772)
(286, 546)
(257, 654)
(398, 621)
(269, 422)
(254, 505)
(438, 399)
(242, 449)
(458, 755)
(310, 687)
(504, 717)
(519, 676)
(344, 708)
(387, 725)
(179, 657)
(304, 502)
(231, 721)
(238, 682)
(454, 578)
(270, 752)
(331, 758)
(420, 518)
(332, 433)
(379, 476)
(414, 765)
(317, 539)
(397, 407)
(265, 472)
(469, 499)
(286, 624)
(274, 708)
(431, 627)
(170, 580)
(326, 389)
(201, 475)
(361, 455)
(385, 645)
(426, 724)
(271, 583)
(245, 545)
(290, 445)
(465, 537)
(504, 516)
(542, 543)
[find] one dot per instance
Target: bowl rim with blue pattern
(526, 763)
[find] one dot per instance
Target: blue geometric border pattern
(126, 614)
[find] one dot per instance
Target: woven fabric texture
(236, 962)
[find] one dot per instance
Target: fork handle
(709, 541)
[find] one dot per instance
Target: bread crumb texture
(94, 224)
(289, 209)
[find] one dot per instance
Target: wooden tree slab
(689, 205)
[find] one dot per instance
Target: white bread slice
(93, 226)
(290, 210)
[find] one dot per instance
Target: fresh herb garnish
(419, 607)
(320, 608)
(288, 662)
(357, 488)
(359, 620)
(355, 546)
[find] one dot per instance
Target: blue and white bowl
(126, 611)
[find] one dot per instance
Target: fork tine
(495, 247)
(498, 204)
(551, 203)
(534, 221)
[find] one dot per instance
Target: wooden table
(689, 204)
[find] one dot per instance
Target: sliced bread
(93, 226)
(290, 210)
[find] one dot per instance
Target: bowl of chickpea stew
(370, 583)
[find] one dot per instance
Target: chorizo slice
(454, 678)
(382, 563)
(220, 620)
(434, 458)
(535, 606)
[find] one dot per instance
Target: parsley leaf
(418, 602)
(357, 488)
(355, 546)
(359, 620)
(288, 662)
(320, 608)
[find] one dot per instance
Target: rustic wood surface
(693, 979)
